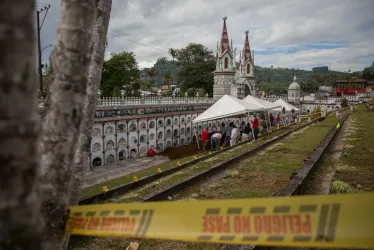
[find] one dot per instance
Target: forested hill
(275, 77)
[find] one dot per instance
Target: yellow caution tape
(339, 221)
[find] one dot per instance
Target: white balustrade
(127, 101)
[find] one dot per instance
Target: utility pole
(40, 66)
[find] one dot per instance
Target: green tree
(162, 61)
(193, 91)
(344, 103)
(168, 78)
(121, 70)
(151, 72)
(173, 53)
(368, 73)
(196, 64)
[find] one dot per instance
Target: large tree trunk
(19, 128)
(83, 150)
(64, 113)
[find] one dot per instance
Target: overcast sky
(288, 33)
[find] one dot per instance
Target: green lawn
(140, 174)
(355, 172)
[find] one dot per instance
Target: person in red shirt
(255, 126)
(278, 119)
(204, 136)
(271, 119)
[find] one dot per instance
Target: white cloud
(337, 33)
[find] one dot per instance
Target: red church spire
(225, 44)
(246, 49)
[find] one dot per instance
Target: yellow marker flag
(221, 148)
(195, 157)
(178, 163)
(159, 170)
(210, 152)
(105, 189)
(338, 125)
(135, 179)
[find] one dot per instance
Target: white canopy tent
(284, 104)
(251, 100)
(227, 106)
(266, 106)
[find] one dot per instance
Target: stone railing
(126, 101)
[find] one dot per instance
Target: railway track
(126, 188)
(213, 175)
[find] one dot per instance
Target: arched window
(248, 68)
(226, 63)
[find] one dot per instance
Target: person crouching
(215, 140)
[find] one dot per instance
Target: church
(231, 77)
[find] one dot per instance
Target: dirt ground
(180, 152)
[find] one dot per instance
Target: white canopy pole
(270, 123)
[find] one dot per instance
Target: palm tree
(151, 74)
(168, 78)
(173, 53)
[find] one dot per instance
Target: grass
(257, 176)
(140, 174)
(269, 171)
(340, 187)
(356, 169)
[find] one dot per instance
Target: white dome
(294, 85)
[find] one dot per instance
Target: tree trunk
(19, 128)
(83, 150)
(64, 113)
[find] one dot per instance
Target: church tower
(225, 66)
(245, 76)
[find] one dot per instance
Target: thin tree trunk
(19, 128)
(64, 113)
(83, 150)
(94, 77)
